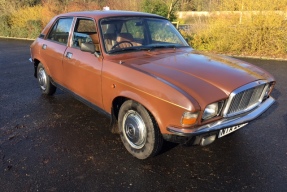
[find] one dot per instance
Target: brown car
(138, 69)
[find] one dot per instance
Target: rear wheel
(44, 80)
(139, 131)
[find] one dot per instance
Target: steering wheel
(119, 43)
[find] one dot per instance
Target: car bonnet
(206, 77)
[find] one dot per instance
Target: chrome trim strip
(225, 122)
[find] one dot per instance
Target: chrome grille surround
(245, 98)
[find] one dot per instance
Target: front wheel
(44, 80)
(138, 130)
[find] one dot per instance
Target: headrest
(125, 37)
(95, 38)
(110, 36)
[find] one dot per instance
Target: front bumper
(224, 123)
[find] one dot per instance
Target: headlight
(188, 119)
(211, 110)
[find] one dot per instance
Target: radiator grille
(245, 100)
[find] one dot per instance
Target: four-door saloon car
(138, 69)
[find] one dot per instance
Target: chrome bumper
(224, 123)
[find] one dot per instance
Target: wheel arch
(118, 102)
(116, 105)
(36, 63)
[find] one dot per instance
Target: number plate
(226, 131)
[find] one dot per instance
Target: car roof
(98, 14)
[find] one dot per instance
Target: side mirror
(89, 47)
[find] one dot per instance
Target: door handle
(44, 46)
(69, 55)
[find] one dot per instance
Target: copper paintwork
(167, 82)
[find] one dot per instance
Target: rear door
(53, 48)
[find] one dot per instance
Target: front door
(82, 70)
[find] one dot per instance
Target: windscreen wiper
(162, 46)
(126, 49)
(166, 46)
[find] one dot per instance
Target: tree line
(256, 27)
(26, 18)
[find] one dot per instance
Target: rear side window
(60, 30)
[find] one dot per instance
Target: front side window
(123, 34)
(60, 30)
(85, 32)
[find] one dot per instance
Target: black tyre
(139, 131)
(44, 80)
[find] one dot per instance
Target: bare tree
(172, 4)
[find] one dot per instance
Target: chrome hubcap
(42, 78)
(134, 129)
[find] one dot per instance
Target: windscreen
(136, 33)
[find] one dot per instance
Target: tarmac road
(59, 144)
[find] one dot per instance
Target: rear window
(60, 30)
